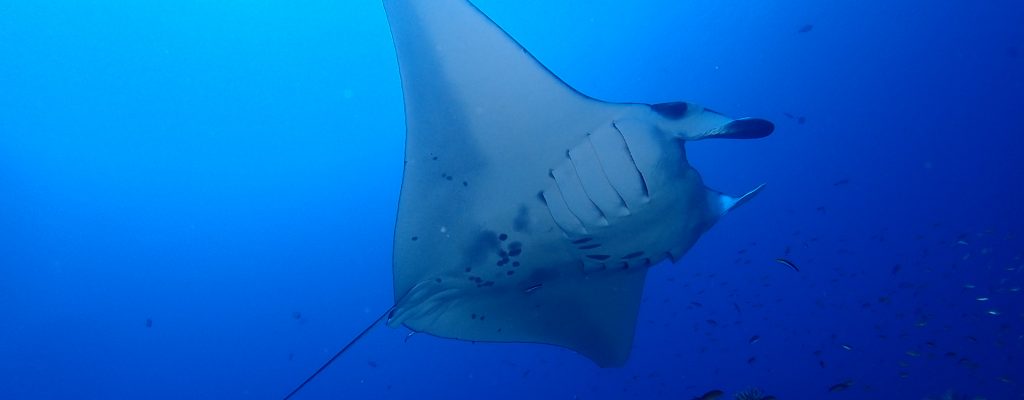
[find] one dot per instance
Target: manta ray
(530, 212)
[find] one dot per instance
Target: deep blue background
(217, 167)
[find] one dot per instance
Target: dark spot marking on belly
(583, 240)
(415, 238)
(590, 246)
(510, 273)
(522, 220)
(481, 249)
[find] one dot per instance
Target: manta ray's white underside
(529, 211)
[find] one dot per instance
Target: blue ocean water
(197, 201)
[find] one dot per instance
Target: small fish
(712, 395)
(799, 119)
(846, 347)
(806, 28)
(994, 312)
(534, 287)
(841, 386)
(982, 299)
(754, 339)
(787, 263)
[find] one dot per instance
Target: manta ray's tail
(338, 354)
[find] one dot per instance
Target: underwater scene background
(197, 201)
